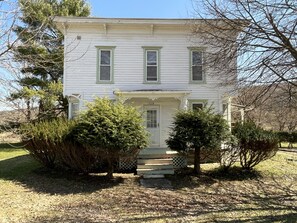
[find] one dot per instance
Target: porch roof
(152, 94)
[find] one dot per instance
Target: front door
(152, 119)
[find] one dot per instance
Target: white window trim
(111, 50)
(157, 50)
(191, 50)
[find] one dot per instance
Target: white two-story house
(154, 64)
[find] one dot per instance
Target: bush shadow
(234, 173)
(26, 171)
(186, 178)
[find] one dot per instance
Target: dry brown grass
(9, 137)
(31, 194)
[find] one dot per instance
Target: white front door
(152, 119)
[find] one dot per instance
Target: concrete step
(155, 166)
(154, 161)
(153, 176)
(154, 172)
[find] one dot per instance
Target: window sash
(105, 64)
(151, 65)
(196, 65)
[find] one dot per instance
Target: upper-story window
(152, 64)
(196, 66)
(105, 64)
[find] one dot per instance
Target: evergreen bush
(255, 144)
(198, 130)
(112, 129)
(52, 144)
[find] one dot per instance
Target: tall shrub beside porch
(113, 129)
(199, 129)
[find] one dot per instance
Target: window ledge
(145, 82)
(104, 82)
(197, 82)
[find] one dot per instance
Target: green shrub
(255, 144)
(199, 129)
(229, 153)
(288, 137)
(51, 143)
(112, 129)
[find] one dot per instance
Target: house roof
(70, 19)
(138, 21)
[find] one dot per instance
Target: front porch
(158, 108)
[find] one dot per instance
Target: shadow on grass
(233, 173)
(26, 171)
(186, 178)
(9, 146)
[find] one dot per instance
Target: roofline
(165, 21)
(69, 19)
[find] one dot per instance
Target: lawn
(29, 193)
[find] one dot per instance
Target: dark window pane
(197, 106)
(151, 119)
(105, 57)
(151, 58)
(152, 73)
(105, 73)
(196, 58)
(197, 73)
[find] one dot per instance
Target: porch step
(151, 151)
(157, 156)
(155, 166)
(155, 162)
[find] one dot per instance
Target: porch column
(183, 103)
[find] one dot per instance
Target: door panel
(152, 119)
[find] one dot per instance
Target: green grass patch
(15, 161)
(286, 144)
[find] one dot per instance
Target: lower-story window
(74, 106)
(197, 104)
(74, 109)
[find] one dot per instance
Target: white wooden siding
(80, 61)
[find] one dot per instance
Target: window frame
(99, 50)
(145, 64)
(202, 51)
(73, 100)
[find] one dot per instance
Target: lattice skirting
(131, 164)
(127, 164)
(179, 162)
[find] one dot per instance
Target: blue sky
(142, 8)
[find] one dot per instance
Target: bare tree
(9, 13)
(276, 110)
(264, 34)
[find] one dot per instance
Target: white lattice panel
(179, 162)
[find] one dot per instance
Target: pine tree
(40, 53)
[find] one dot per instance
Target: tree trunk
(28, 115)
(197, 161)
(110, 168)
